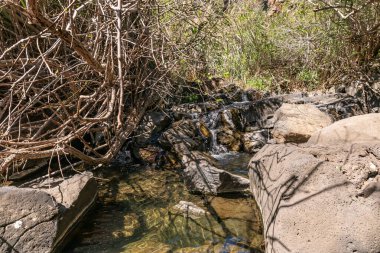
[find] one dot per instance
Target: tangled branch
(62, 94)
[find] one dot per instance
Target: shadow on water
(135, 213)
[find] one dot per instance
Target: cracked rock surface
(318, 198)
(38, 220)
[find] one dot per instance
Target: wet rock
(202, 175)
(28, 220)
(189, 209)
(152, 124)
(204, 131)
(149, 154)
(260, 113)
(358, 129)
(123, 157)
(340, 107)
(297, 122)
(230, 93)
(184, 131)
(191, 111)
(231, 118)
(169, 161)
(312, 197)
(230, 139)
(253, 141)
(229, 208)
(38, 220)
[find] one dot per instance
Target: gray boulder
(318, 198)
(40, 220)
(297, 122)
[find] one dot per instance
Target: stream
(136, 212)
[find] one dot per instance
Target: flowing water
(136, 213)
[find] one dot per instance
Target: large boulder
(297, 122)
(358, 129)
(318, 198)
(40, 220)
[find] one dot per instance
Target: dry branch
(62, 94)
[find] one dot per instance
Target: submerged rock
(190, 209)
(297, 122)
(315, 198)
(40, 220)
(149, 154)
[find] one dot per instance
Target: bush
(304, 46)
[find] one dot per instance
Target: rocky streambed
(150, 210)
(181, 183)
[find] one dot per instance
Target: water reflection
(135, 213)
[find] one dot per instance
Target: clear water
(234, 162)
(135, 214)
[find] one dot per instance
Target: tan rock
(357, 129)
(297, 122)
(314, 199)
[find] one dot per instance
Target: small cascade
(212, 119)
(194, 115)
(216, 148)
(244, 97)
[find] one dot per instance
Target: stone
(151, 125)
(314, 199)
(253, 141)
(357, 129)
(28, 220)
(189, 209)
(297, 122)
(202, 175)
(40, 220)
(231, 118)
(230, 208)
(183, 131)
(149, 154)
(204, 131)
(230, 139)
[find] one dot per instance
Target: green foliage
(192, 98)
(297, 46)
(219, 100)
(259, 83)
(309, 78)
